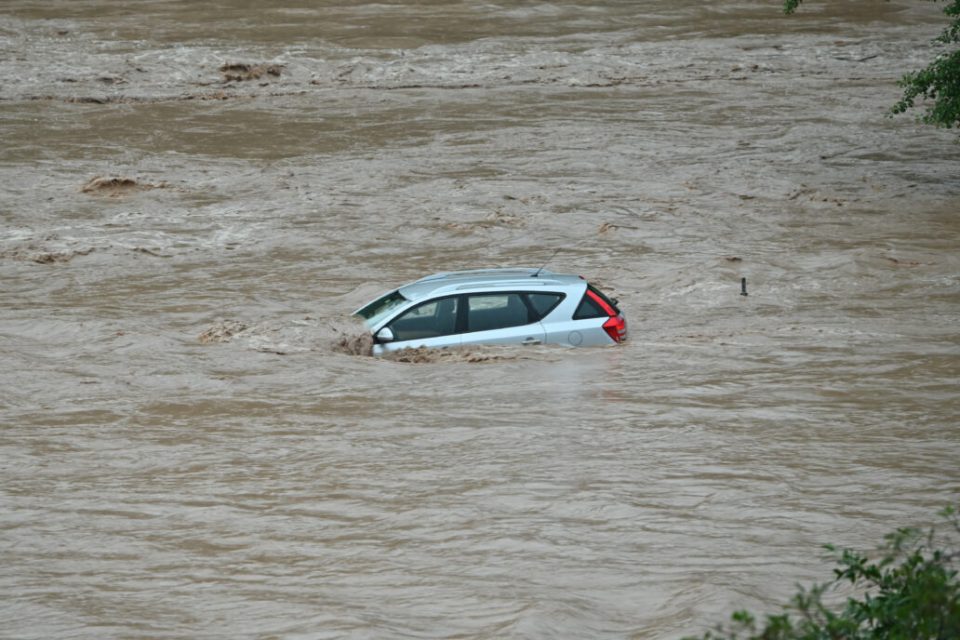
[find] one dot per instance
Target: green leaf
(911, 593)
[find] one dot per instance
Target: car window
(610, 301)
(488, 311)
(428, 320)
(543, 303)
(588, 308)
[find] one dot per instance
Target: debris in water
(37, 252)
(88, 100)
(477, 354)
(424, 355)
(276, 352)
(239, 71)
(216, 95)
(53, 257)
(500, 219)
(222, 331)
(610, 226)
(149, 252)
(457, 227)
(902, 263)
(115, 187)
(733, 259)
(360, 344)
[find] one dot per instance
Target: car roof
(506, 278)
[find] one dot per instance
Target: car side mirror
(385, 335)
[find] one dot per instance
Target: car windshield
(379, 308)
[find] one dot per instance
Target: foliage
(911, 592)
(937, 84)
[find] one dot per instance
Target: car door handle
(532, 340)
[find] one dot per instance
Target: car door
(429, 324)
(500, 318)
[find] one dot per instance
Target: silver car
(493, 306)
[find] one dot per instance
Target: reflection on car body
(493, 306)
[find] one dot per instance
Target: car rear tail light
(616, 328)
(616, 324)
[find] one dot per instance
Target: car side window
(487, 311)
(428, 320)
(543, 303)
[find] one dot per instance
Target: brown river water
(195, 196)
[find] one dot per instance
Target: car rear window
(588, 309)
(610, 301)
(592, 305)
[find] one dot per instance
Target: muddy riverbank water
(193, 198)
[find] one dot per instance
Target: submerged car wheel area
(493, 306)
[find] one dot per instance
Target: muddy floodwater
(195, 196)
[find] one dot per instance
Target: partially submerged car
(493, 306)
